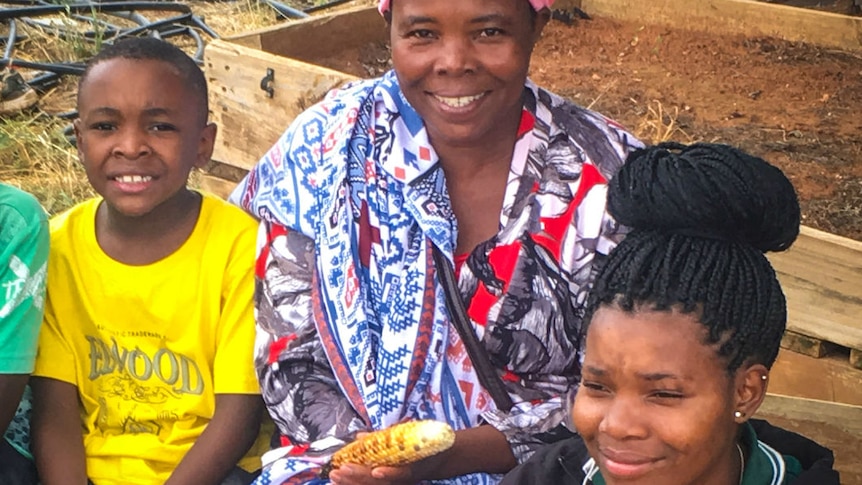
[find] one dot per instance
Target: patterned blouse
(353, 331)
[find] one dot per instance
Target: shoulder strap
(488, 376)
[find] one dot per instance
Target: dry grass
(35, 155)
(235, 17)
(659, 125)
(37, 158)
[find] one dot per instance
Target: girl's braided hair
(702, 217)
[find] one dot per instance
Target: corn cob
(399, 445)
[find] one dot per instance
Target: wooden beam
(830, 378)
(735, 17)
(816, 411)
(249, 121)
(217, 186)
(225, 171)
(835, 426)
(821, 276)
(318, 37)
(804, 344)
(856, 358)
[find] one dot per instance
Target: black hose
(206, 28)
(286, 11)
(40, 10)
(131, 16)
(10, 42)
(155, 26)
(317, 8)
(199, 52)
(65, 33)
(45, 81)
(73, 68)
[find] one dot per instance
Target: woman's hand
(383, 475)
(482, 449)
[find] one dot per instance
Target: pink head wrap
(537, 4)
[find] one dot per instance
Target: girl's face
(462, 64)
(656, 404)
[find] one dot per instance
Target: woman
(454, 154)
(686, 321)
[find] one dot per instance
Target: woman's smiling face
(462, 65)
(656, 404)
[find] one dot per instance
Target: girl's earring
(738, 414)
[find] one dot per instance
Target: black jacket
(561, 463)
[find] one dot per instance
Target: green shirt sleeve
(24, 241)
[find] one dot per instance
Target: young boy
(23, 258)
(148, 333)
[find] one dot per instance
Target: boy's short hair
(152, 49)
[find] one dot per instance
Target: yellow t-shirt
(150, 346)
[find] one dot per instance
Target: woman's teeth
(458, 102)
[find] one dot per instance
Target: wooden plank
(792, 407)
(736, 17)
(216, 185)
(804, 344)
(821, 276)
(224, 171)
(830, 378)
(319, 36)
(835, 426)
(250, 122)
(856, 358)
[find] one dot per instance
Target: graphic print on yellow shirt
(143, 383)
(150, 346)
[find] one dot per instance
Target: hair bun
(707, 190)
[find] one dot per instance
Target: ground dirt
(796, 105)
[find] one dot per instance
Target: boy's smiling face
(139, 133)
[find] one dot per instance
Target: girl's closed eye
(595, 388)
(667, 395)
(491, 32)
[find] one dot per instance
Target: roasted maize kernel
(398, 445)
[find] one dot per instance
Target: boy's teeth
(133, 179)
(458, 102)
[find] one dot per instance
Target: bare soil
(796, 105)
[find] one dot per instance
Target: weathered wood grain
(835, 426)
(249, 121)
(822, 278)
(224, 171)
(325, 36)
(856, 358)
(804, 344)
(829, 378)
(317, 36)
(217, 186)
